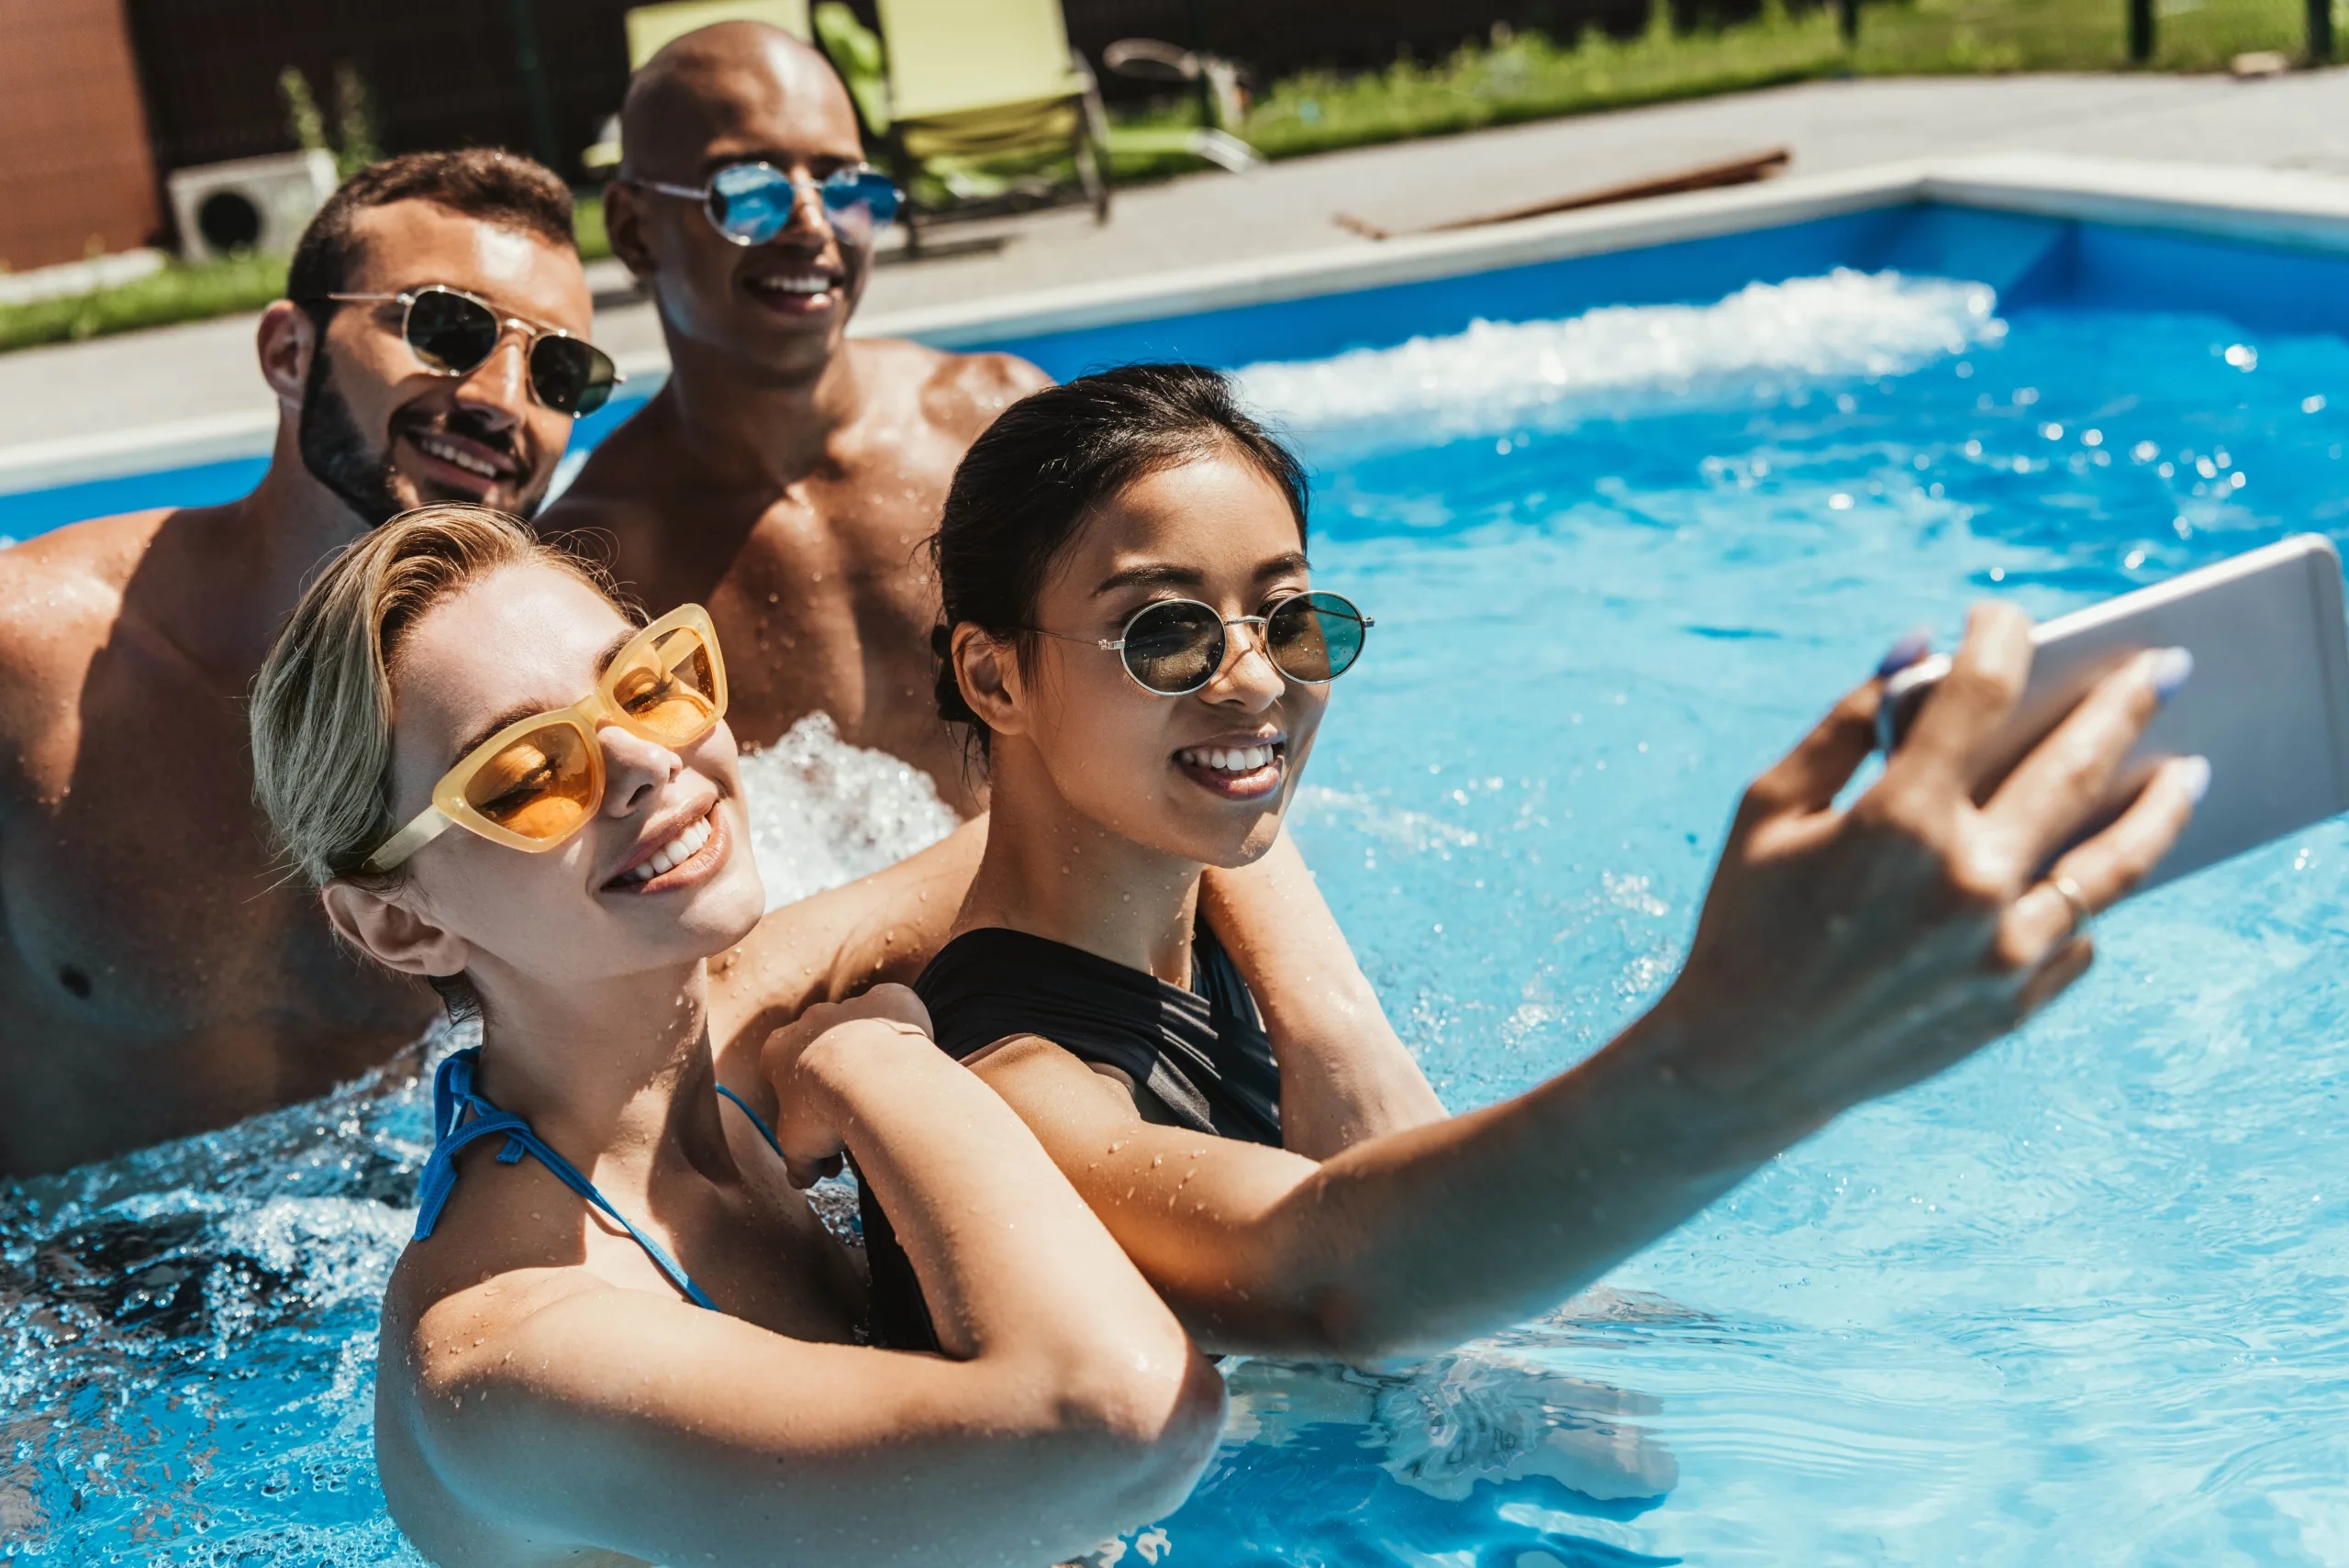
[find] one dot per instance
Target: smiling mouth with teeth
(1240, 772)
(670, 856)
(455, 456)
(802, 285)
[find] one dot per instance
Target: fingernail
(1911, 647)
(2171, 667)
(2195, 774)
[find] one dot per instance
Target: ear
(624, 230)
(286, 340)
(387, 927)
(987, 669)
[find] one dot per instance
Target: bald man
(785, 476)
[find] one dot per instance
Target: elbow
(1347, 1324)
(1143, 1426)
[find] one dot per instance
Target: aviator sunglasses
(536, 782)
(452, 333)
(1175, 646)
(749, 203)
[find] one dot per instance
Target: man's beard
(337, 455)
(368, 481)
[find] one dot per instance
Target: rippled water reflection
(2084, 1300)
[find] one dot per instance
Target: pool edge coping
(2300, 208)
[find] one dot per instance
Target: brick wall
(74, 170)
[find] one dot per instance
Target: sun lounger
(976, 83)
(650, 26)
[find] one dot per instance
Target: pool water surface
(2083, 1300)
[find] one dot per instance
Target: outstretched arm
(1069, 1405)
(1841, 955)
(1345, 1076)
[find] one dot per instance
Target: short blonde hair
(322, 709)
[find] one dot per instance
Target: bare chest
(149, 925)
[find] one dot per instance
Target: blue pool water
(2083, 1300)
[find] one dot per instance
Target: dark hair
(1030, 481)
(502, 188)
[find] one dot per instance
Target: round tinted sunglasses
(1175, 646)
(535, 783)
(452, 333)
(749, 203)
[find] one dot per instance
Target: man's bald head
(746, 84)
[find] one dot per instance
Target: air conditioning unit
(249, 204)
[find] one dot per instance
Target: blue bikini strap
(453, 1096)
(764, 1130)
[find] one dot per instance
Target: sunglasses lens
(752, 203)
(570, 376)
(1315, 637)
(668, 689)
(1174, 647)
(450, 333)
(541, 785)
(859, 201)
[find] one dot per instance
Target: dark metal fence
(435, 73)
(452, 73)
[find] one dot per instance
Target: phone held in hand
(2268, 703)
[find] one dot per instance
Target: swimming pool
(2080, 1301)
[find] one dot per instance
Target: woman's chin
(729, 908)
(1226, 851)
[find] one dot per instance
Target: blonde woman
(621, 1333)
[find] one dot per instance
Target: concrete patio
(117, 386)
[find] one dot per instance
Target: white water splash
(1500, 374)
(824, 812)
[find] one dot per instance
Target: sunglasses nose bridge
(1244, 635)
(500, 382)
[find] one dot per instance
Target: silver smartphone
(2268, 703)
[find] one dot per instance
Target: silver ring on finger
(2071, 893)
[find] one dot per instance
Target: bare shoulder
(960, 393)
(628, 476)
(65, 573)
(61, 594)
(451, 1328)
(463, 1302)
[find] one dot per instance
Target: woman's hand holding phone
(1844, 954)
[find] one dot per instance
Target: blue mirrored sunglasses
(749, 203)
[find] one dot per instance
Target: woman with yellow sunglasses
(621, 1329)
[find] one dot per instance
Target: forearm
(1010, 1259)
(1345, 1076)
(1427, 1237)
(614, 1420)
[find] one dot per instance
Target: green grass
(181, 292)
(1530, 77)
(1505, 82)
(195, 291)
(587, 225)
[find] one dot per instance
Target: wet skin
(546, 1395)
(1842, 953)
(784, 476)
(160, 975)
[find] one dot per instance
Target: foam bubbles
(824, 812)
(1498, 375)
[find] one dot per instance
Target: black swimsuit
(1202, 1052)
